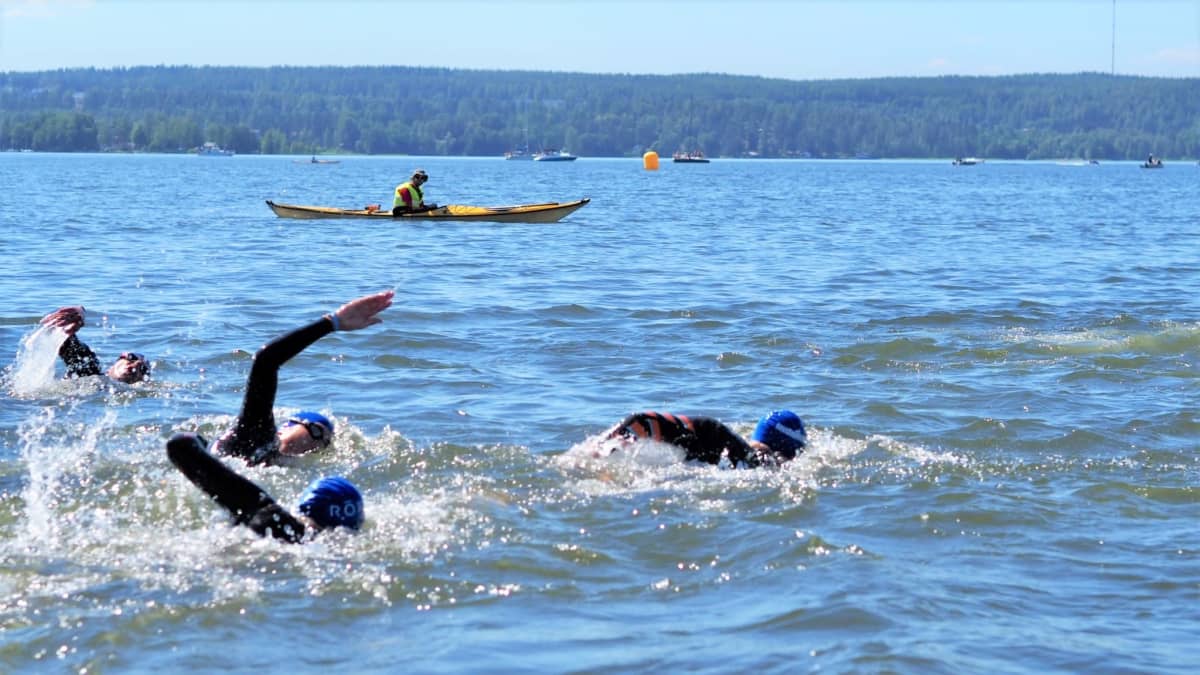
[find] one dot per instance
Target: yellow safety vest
(412, 190)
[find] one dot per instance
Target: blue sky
(792, 39)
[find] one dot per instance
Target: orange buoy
(650, 161)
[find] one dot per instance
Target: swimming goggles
(316, 430)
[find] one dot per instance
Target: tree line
(433, 111)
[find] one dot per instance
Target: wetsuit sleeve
(703, 439)
(630, 427)
(713, 439)
(255, 426)
(80, 360)
(277, 522)
(249, 504)
(664, 427)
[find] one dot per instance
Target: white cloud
(1178, 56)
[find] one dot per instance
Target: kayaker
(81, 361)
(328, 502)
(778, 437)
(409, 198)
(254, 436)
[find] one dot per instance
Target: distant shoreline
(362, 111)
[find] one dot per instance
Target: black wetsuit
(79, 358)
(249, 504)
(253, 436)
(704, 439)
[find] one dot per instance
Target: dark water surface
(998, 365)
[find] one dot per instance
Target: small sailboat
(519, 154)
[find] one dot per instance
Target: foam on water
(107, 513)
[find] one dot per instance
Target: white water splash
(33, 370)
(57, 469)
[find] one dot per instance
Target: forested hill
(430, 111)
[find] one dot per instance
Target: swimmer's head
(318, 433)
(783, 432)
(319, 426)
(333, 501)
(129, 368)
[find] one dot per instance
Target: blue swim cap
(783, 432)
(307, 418)
(333, 501)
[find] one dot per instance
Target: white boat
(518, 154)
(966, 161)
(693, 157)
(213, 150)
(552, 155)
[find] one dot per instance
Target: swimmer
(81, 361)
(778, 437)
(328, 502)
(254, 436)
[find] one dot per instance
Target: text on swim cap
(346, 510)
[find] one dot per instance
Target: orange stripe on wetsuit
(703, 438)
(658, 426)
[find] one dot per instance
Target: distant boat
(213, 150)
(966, 161)
(1152, 162)
(519, 154)
(552, 155)
(694, 157)
(314, 160)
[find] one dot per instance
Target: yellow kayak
(548, 212)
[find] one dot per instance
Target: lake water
(998, 365)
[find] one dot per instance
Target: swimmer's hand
(69, 319)
(360, 313)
